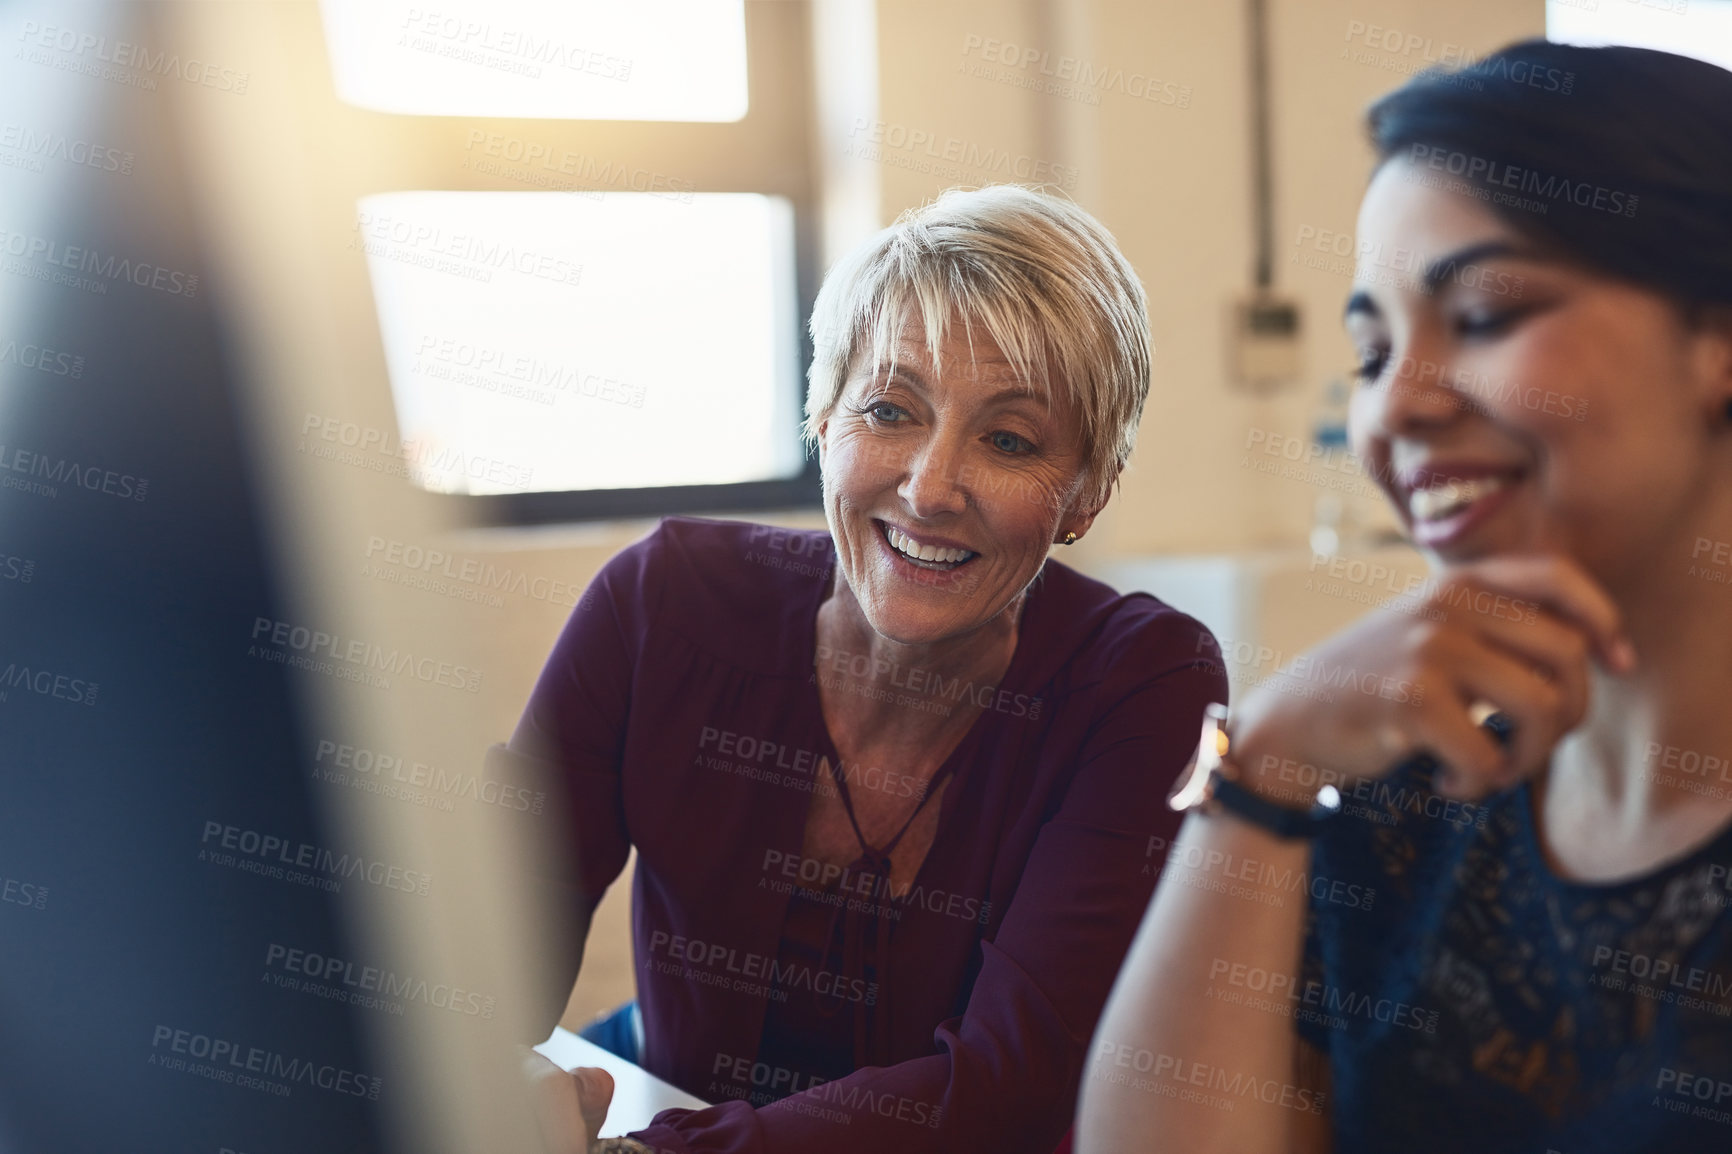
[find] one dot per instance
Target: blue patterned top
(1477, 1001)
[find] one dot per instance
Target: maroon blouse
(680, 707)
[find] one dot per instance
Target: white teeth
(929, 553)
(1441, 500)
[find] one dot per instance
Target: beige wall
(282, 169)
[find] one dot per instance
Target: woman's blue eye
(1010, 443)
(883, 411)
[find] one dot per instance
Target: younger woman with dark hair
(1511, 930)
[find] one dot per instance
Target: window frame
(790, 86)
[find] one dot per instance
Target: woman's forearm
(1195, 1050)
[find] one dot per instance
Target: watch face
(1192, 788)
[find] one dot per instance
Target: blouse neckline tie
(872, 1022)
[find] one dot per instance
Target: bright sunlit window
(568, 341)
(573, 59)
(1699, 28)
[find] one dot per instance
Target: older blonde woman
(897, 789)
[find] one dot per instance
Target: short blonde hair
(1044, 278)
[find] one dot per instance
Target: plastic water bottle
(1331, 513)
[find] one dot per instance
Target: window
(598, 309)
(575, 60)
(1699, 28)
(622, 340)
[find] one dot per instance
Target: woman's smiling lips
(924, 551)
(1444, 501)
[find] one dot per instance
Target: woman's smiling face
(1511, 402)
(944, 486)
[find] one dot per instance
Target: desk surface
(638, 1095)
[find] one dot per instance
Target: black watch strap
(1279, 820)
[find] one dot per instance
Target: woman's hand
(569, 1106)
(1516, 633)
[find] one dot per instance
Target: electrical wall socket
(1266, 352)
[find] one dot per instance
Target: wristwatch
(1210, 784)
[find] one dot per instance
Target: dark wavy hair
(1617, 158)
